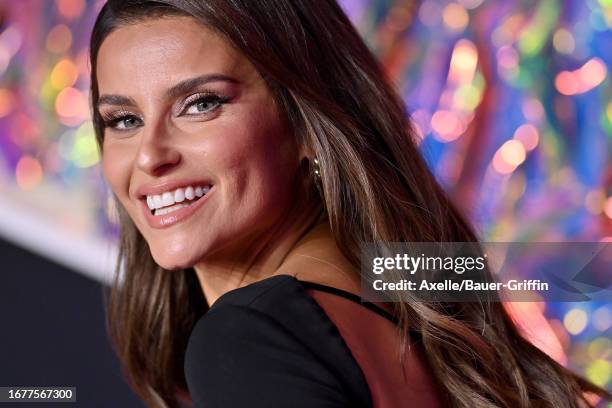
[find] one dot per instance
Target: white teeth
(157, 201)
(168, 198)
(162, 211)
(179, 195)
(189, 193)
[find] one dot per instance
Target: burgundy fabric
(374, 343)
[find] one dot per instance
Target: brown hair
(375, 187)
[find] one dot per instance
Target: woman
(252, 146)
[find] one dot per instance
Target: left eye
(203, 105)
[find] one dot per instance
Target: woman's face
(186, 113)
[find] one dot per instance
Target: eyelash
(111, 120)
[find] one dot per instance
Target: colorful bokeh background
(512, 101)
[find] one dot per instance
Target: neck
(261, 258)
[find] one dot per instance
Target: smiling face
(184, 112)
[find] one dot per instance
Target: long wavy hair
(375, 187)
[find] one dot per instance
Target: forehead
(161, 51)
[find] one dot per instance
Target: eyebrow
(171, 93)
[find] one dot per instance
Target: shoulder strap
(352, 297)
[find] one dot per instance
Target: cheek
(115, 167)
(264, 156)
(258, 165)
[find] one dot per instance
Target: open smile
(171, 207)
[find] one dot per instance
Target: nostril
(163, 168)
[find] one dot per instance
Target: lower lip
(167, 220)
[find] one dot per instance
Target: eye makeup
(114, 118)
(205, 96)
(206, 99)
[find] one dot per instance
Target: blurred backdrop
(512, 101)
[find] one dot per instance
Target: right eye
(121, 123)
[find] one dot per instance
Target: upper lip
(169, 185)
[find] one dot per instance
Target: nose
(156, 155)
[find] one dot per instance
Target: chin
(172, 264)
(172, 259)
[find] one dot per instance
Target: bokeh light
(59, 39)
(70, 9)
(575, 321)
(563, 41)
(585, 78)
(608, 207)
(455, 16)
(28, 172)
(6, 102)
(64, 74)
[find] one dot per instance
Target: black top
(268, 345)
